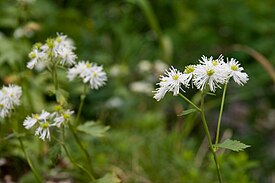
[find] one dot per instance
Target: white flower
(9, 99)
(142, 87)
(43, 131)
(30, 121)
(62, 117)
(235, 71)
(144, 66)
(46, 120)
(171, 81)
(160, 93)
(212, 62)
(189, 72)
(96, 77)
(90, 73)
(75, 71)
(56, 50)
(209, 75)
(38, 55)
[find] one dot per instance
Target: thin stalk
(54, 77)
(220, 115)
(36, 175)
(72, 160)
(190, 102)
(82, 99)
(81, 146)
(209, 138)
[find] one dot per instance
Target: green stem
(82, 99)
(72, 160)
(209, 138)
(220, 115)
(81, 146)
(54, 77)
(190, 102)
(37, 177)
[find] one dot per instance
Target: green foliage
(147, 142)
(92, 128)
(233, 145)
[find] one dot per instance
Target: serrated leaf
(185, 112)
(109, 178)
(93, 129)
(233, 145)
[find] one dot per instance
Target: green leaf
(108, 178)
(93, 129)
(233, 145)
(185, 112)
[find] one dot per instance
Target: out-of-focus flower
(46, 121)
(142, 87)
(9, 99)
(89, 73)
(59, 50)
(144, 66)
(62, 117)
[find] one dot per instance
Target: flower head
(9, 99)
(58, 50)
(61, 117)
(210, 73)
(45, 121)
(235, 71)
(171, 81)
(89, 73)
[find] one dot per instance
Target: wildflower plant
(51, 124)
(207, 76)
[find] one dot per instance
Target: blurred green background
(136, 40)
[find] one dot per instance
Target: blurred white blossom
(142, 87)
(58, 50)
(9, 99)
(45, 121)
(90, 73)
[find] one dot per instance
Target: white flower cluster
(9, 98)
(46, 120)
(209, 74)
(59, 50)
(88, 72)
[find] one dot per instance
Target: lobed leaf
(233, 145)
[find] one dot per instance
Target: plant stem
(54, 76)
(220, 115)
(81, 146)
(82, 99)
(190, 102)
(37, 177)
(72, 160)
(209, 138)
